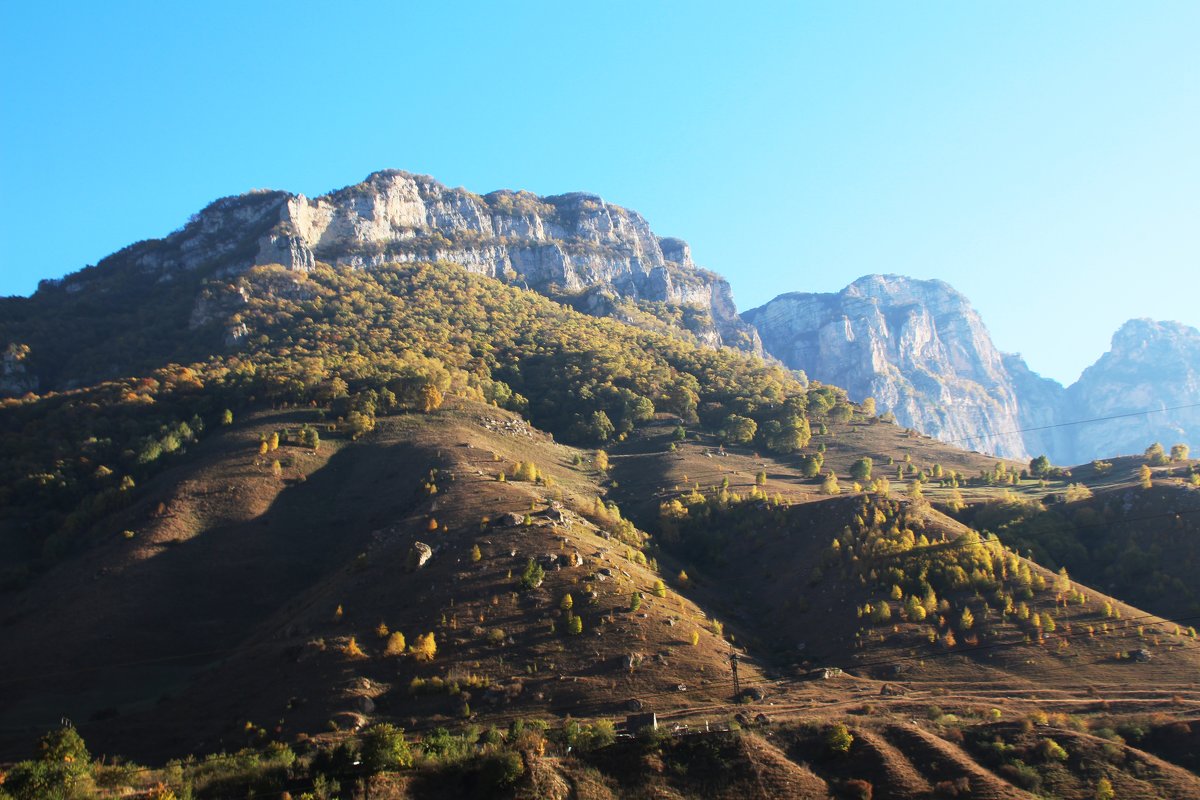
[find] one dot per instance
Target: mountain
(923, 353)
(917, 347)
(1150, 366)
(408, 528)
(600, 258)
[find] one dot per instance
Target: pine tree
(476, 554)
(575, 625)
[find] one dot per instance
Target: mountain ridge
(920, 349)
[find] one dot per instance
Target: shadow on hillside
(102, 646)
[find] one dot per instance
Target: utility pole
(733, 662)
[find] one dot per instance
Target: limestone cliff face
(602, 258)
(917, 347)
(1041, 408)
(1151, 365)
(923, 353)
(564, 246)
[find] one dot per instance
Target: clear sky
(1043, 158)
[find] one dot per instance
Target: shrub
(838, 739)
(660, 588)
(425, 648)
(635, 601)
(532, 577)
(352, 650)
(395, 644)
(501, 770)
(384, 747)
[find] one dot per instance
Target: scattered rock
(418, 555)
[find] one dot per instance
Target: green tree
(532, 577)
(739, 429)
(660, 588)
(830, 484)
(635, 601)
(1180, 452)
(227, 417)
(384, 748)
(838, 739)
(1039, 466)
(861, 470)
(868, 406)
(574, 625)
(1155, 455)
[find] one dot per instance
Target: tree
(660, 588)
(575, 625)
(384, 748)
(838, 739)
(868, 406)
(599, 427)
(1039, 466)
(525, 471)
(861, 470)
(682, 578)
(1104, 790)
(739, 429)
(1155, 455)
(425, 648)
(567, 603)
(695, 638)
(476, 554)
(601, 461)
(227, 417)
(966, 621)
(1179, 452)
(431, 399)
(359, 424)
(276, 468)
(830, 484)
(395, 644)
(635, 601)
(532, 577)
(1145, 476)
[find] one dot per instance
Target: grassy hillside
(417, 497)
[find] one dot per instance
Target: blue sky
(1040, 157)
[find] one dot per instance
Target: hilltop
(268, 511)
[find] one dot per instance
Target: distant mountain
(1151, 365)
(921, 350)
(917, 347)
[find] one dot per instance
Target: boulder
(418, 555)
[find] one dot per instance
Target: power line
(1066, 424)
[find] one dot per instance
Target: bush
(425, 648)
(395, 644)
(838, 739)
(501, 770)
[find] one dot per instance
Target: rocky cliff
(1151, 365)
(602, 258)
(921, 350)
(917, 347)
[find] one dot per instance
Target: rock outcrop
(601, 258)
(917, 347)
(1150, 366)
(923, 353)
